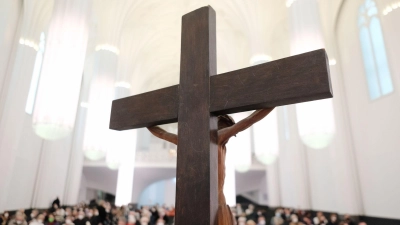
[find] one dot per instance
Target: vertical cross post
(197, 163)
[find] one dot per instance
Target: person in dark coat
(56, 202)
(102, 212)
(81, 220)
(93, 219)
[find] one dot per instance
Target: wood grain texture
(197, 162)
(290, 80)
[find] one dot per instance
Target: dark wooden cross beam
(201, 96)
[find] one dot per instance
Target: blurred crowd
(104, 213)
(95, 213)
(287, 216)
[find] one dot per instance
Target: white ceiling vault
(147, 34)
(150, 39)
(151, 29)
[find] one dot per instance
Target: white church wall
(374, 123)
(90, 194)
(101, 178)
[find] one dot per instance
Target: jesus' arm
(226, 133)
(163, 134)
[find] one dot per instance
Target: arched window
(30, 102)
(374, 53)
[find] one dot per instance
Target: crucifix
(202, 95)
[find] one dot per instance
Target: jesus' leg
(224, 213)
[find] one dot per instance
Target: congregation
(104, 213)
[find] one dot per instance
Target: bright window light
(35, 76)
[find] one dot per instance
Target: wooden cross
(201, 96)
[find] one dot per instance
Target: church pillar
(324, 141)
(59, 160)
(19, 145)
(124, 144)
(74, 177)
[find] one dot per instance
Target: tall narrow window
(35, 76)
(374, 54)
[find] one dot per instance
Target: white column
(125, 140)
(109, 17)
(325, 149)
(61, 74)
(97, 135)
(54, 174)
(75, 179)
(126, 144)
(18, 143)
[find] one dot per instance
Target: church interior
(331, 161)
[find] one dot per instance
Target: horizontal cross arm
(291, 80)
(285, 81)
(144, 110)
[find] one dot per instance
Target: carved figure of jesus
(226, 129)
